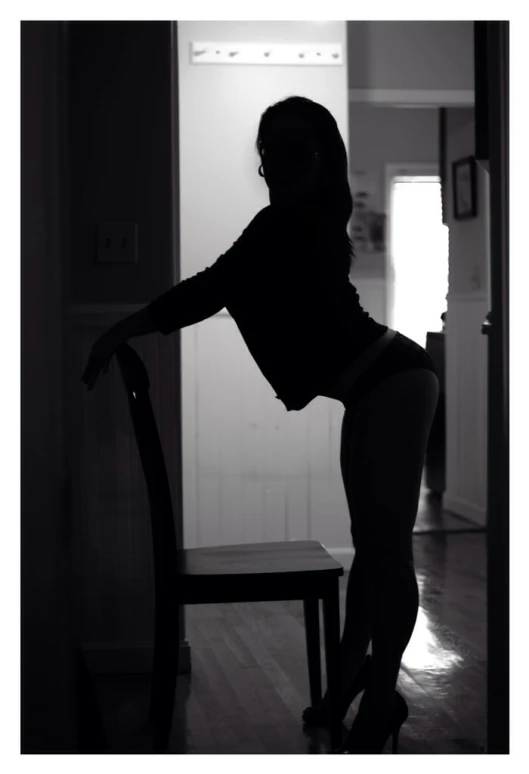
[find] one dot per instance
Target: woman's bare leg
(383, 448)
(358, 623)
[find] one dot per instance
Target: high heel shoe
(318, 714)
(367, 735)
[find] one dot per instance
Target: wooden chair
(242, 573)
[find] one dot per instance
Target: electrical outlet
(117, 243)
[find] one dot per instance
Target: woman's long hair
(335, 203)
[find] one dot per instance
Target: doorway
(417, 251)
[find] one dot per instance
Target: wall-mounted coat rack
(267, 54)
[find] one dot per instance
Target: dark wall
(120, 155)
(48, 708)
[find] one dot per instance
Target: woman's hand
(137, 324)
(101, 355)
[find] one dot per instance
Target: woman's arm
(188, 302)
(137, 324)
(206, 293)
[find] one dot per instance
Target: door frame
(49, 711)
(498, 528)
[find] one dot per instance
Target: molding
(433, 98)
(460, 507)
(409, 168)
(128, 657)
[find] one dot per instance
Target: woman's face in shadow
(291, 165)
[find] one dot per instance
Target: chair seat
(293, 569)
(293, 556)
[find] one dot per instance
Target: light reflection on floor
(426, 651)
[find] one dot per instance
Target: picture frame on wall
(464, 188)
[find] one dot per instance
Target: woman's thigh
(383, 447)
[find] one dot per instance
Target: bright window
(418, 256)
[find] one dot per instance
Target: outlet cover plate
(117, 243)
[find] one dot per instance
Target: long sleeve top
(289, 293)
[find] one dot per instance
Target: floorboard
(249, 681)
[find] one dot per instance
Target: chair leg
(312, 635)
(331, 617)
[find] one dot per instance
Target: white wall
(220, 108)
(466, 352)
(469, 239)
(414, 61)
(251, 471)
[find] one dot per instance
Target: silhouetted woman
(285, 282)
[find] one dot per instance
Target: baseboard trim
(415, 97)
(461, 507)
(128, 657)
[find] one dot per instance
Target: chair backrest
(136, 381)
(167, 553)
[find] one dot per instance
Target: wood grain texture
(250, 683)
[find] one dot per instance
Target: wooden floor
(249, 681)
